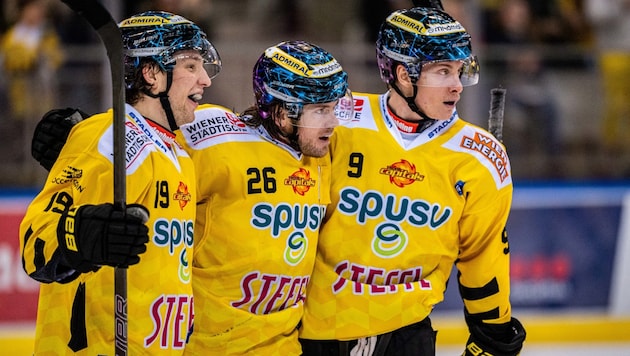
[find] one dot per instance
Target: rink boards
(570, 251)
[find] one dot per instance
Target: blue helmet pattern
(159, 35)
(418, 36)
(296, 73)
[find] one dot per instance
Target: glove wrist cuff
(69, 245)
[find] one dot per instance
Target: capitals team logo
(182, 195)
(300, 181)
(402, 173)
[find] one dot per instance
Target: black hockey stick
(101, 20)
(437, 4)
(497, 109)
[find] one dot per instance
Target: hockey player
(263, 181)
(415, 189)
(262, 192)
(72, 237)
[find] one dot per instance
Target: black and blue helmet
(417, 36)
(295, 73)
(159, 35)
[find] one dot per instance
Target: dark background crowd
(564, 64)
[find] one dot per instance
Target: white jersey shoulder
(485, 148)
(366, 107)
(213, 125)
(140, 141)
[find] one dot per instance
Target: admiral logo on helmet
(407, 23)
(144, 21)
(152, 21)
(287, 61)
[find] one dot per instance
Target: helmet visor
(449, 73)
(210, 56)
(322, 115)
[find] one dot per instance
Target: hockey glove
(94, 235)
(495, 340)
(51, 134)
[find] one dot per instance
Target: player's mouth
(326, 137)
(196, 98)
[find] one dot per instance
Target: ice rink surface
(17, 341)
(559, 349)
(573, 334)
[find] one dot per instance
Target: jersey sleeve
(483, 260)
(71, 182)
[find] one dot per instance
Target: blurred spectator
(84, 58)
(274, 19)
(561, 22)
(558, 21)
(30, 53)
(508, 23)
(532, 104)
(72, 28)
(374, 12)
(463, 11)
(520, 67)
(611, 21)
(3, 18)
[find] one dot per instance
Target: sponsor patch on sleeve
(487, 150)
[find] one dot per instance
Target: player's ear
(150, 73)
(402, 76)
(279, 115)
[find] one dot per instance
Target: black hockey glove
(94, 235)
(496, 340)
(51, 134)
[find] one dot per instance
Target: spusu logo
(402, 173)
(300, 181)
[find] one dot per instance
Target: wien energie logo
(402, 173)
(301, 181)
(491, 150)
(182, 195)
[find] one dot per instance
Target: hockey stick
(101, 20)
(437, 4)
(497, 108)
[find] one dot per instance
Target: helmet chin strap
(166, 104)
(411, 101)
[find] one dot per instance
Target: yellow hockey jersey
(402, 213)
(259, 212)
(76, 311)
